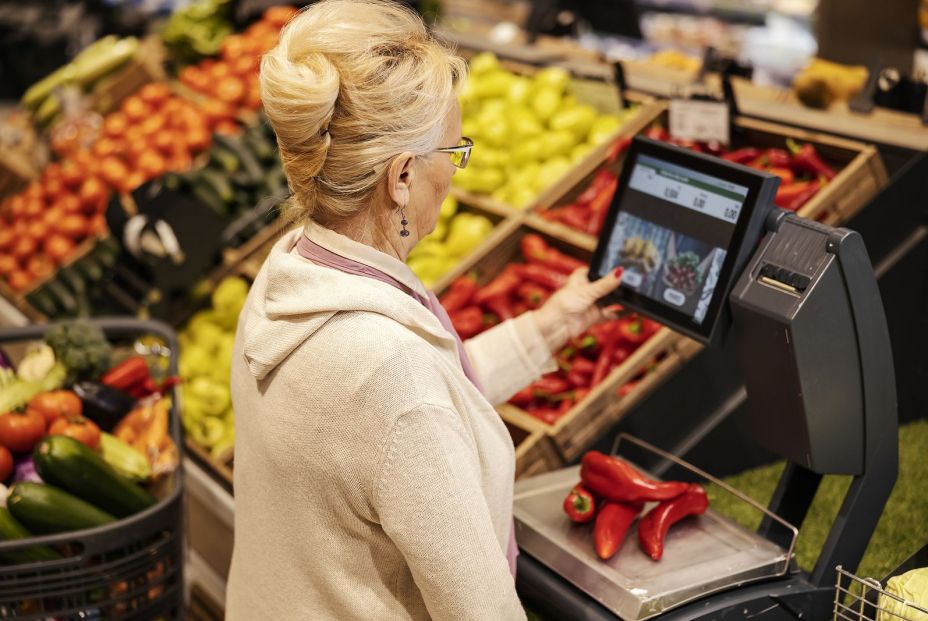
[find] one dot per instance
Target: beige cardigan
(372, 479)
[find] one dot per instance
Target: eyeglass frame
(465, 148)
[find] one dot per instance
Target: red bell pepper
(806, 159)
(798, 194)
(536, 250)
(654, 525)
(545, 414)
(523, 397)
(611, 525)
(579, 505)
(549, 385)
(542, 275)
(632, 332)
(578, 378)
(606, 352)
(130, 372)
(468, 321)
(576, 217)
(616, 479)
(581, 364)
(742, 156)
(460, 294)
(534, 295)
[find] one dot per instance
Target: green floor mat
(900, 532)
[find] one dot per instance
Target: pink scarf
(312, 251)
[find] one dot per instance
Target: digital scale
(706, 253)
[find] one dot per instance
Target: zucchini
(123, 458)
(67, 463)
(11, 530)
(45, 509)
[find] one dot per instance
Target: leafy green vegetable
(81, 347)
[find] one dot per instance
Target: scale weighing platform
(706, 252)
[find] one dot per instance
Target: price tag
(701, 121)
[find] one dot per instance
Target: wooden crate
(596, 413)
(534, 452)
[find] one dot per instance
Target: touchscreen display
(672, 234)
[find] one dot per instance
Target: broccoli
(81, 347)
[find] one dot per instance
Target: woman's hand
(573, 309)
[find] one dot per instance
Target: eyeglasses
(460, 154)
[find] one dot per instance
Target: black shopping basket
(131, 569)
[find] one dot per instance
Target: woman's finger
(607, 284)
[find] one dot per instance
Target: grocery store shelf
(751, 13)
(10, 316)
(202, 486)
(199, 575)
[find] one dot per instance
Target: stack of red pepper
(801, 169)
(133, 377)
(613, 492)
(583, 363)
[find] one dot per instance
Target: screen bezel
(761, 187)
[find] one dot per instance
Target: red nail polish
(618, 272)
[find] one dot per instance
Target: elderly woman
(373, 478)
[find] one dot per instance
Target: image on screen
(672, 234)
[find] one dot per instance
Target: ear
(400, 178)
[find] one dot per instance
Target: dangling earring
(404, 222)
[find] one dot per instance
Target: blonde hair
(351, 84)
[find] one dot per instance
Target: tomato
(194, 78)
(215, 111)
(164, 141)
(53, 189)
(17, 206)
(69, 203)
(98, 225)
(39, 267)
(230, 89)
(34, 208)
(253, 96)
(115, 124)
(71, 174)
(155, 94)
(135, 109)
(37, 230)
(74, 226)
(278, 15)
(23, 248)
(19, 431)
(6, 239)
(6, 463)
(113, 170)
(59, 248)
(199, 140)
(52, 171)
(19, 281)
(105, 147)
(217, 72)
(81, 429)
(151, 164)
(8, 265)
(134, 180)
(34, 191)
(92, 193)
(152, 125)
(52, 215)
(55, 404)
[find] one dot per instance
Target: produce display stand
(131, 569)
(146, 66)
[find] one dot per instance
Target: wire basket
(130, 570)
(864, 599)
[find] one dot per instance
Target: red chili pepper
(611, 525)
(654, 525)
(603, 198)
(579, 505)
(549, 385)
(803, 197)
(545, 414)
(600, 181)
(578, 379)
(542, 275)
(534, 247)
(787, 191)
(581, 364)
(626, 389)
(523, 397)
(564, 405)
(631, 331)
(785, 174)
(169, 382)
(577, 217)
(533, 294)
(606, 352)
(742, 156)
(460, 294)
(621, 146)
(536, 250)
(499, 286)
(500, 307)
(777, 158)
(714, 148)
(616, 479)
(128, 373)
(467, 322)
(520, 308)
(806, 159)
(692, 145)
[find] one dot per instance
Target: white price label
(702, 121)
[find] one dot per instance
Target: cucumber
(244, 155)
(45, 509)
(67, 463)
(124, 459)
(11, 530)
